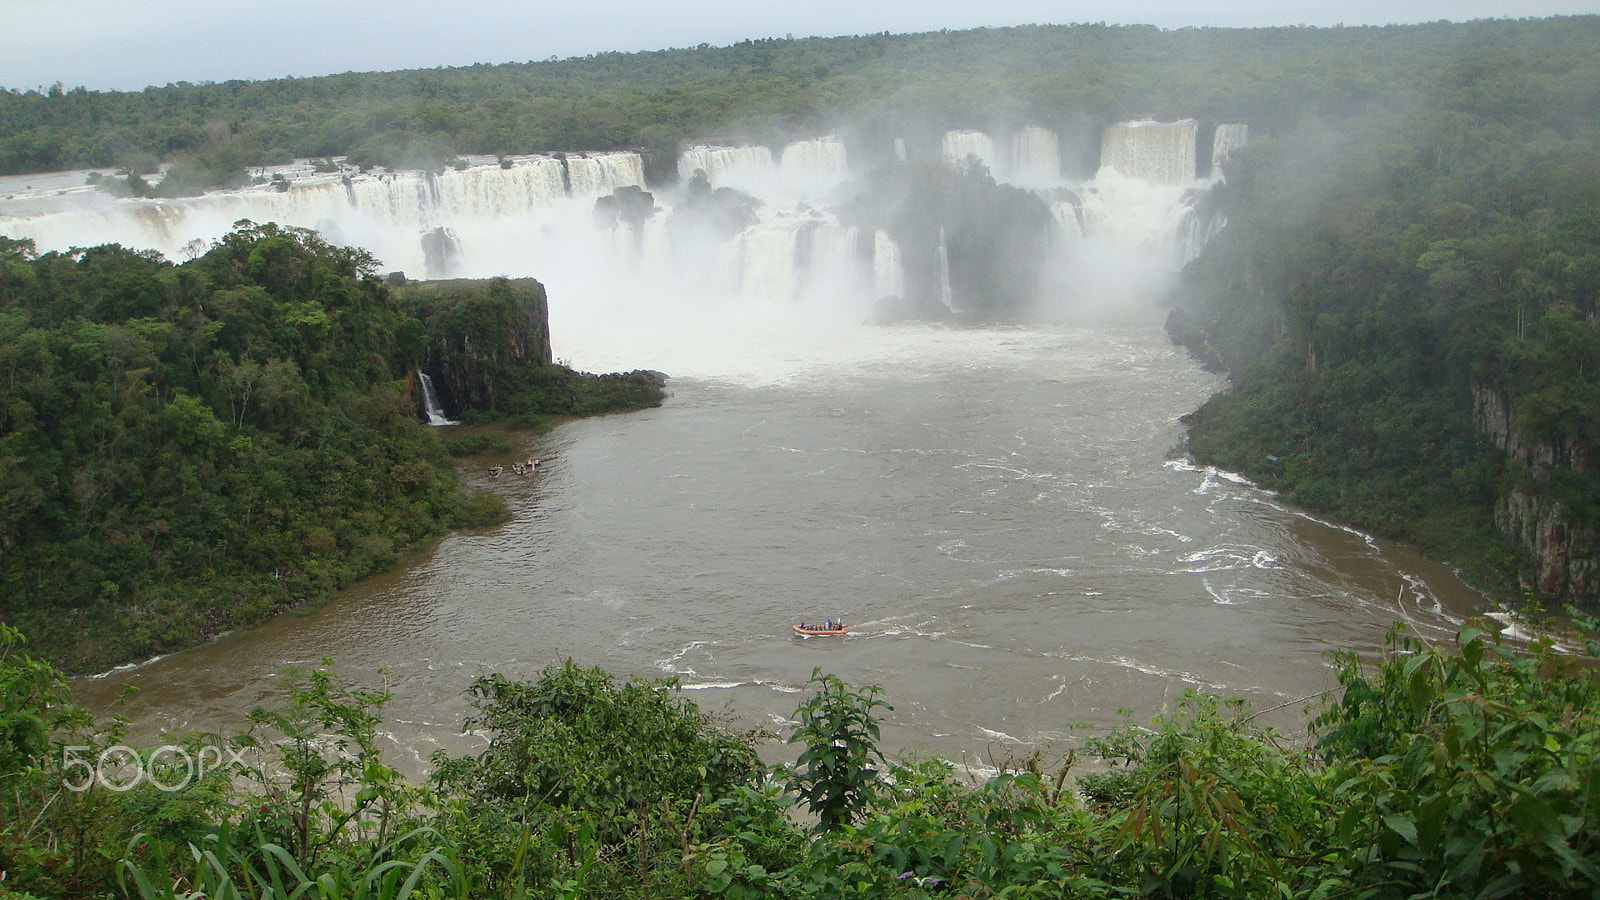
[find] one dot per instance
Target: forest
(190, 448)
(1412, 333)
(1069, 78)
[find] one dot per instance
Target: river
(999, 514)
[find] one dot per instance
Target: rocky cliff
(1566, 555)
(482, 336)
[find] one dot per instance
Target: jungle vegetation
(1409, 307)
(186, 448)
(1072, 78)
(1469, 771)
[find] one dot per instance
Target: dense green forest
(1408, 307)
(1445, 772)
(1071, 78)
(188, 448)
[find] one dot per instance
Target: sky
(128, 44)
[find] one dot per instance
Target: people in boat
(830, 625)
(494, 471)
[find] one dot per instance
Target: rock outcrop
(1566, 557)
(481, 334)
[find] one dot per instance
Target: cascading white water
(1157, 152)
(1035, 158)
(1132, 213)
(596, 175)
(813, 168)
(946, 291)
(534, 216)
(1068, 216)
(1227, 141)
(430, 402)
(499, 212)
(763, 261)
(743, 167)
(888, 274)
(960, 147)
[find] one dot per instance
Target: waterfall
(812, 168)
(594, 175)
(1135, 214)
(1068, 215)
(1035, 158)
(535, 216)
(495, 211)
(946, 293)
(888, 276)
(1143, 199)
(430, 402)
(1228, 140)
(760, 263)
(739, 167)
(960, 147)
(1157, 152)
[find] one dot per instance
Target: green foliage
(475, 443)
(488, 346)
(481, 509)
(1472, 772)
(1412, 333)
(896, 85)
(190, 448)
(931, 835)
(226, 867)
(589, 785)
(835, 777)
(334, 788)
(577, 740)
(1442, 772)
(35, 704)
(62, 830)
(1205, 806)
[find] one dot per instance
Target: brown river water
(998, 514)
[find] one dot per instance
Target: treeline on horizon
(1074, 78)
(187, 448)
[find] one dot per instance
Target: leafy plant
(226, 868)
(336, 783)
(835, 776)
(1474, 771)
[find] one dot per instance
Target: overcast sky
(127, 44)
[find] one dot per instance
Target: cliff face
(1566, 557)
(482, 336)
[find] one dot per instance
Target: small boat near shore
(830, 628)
